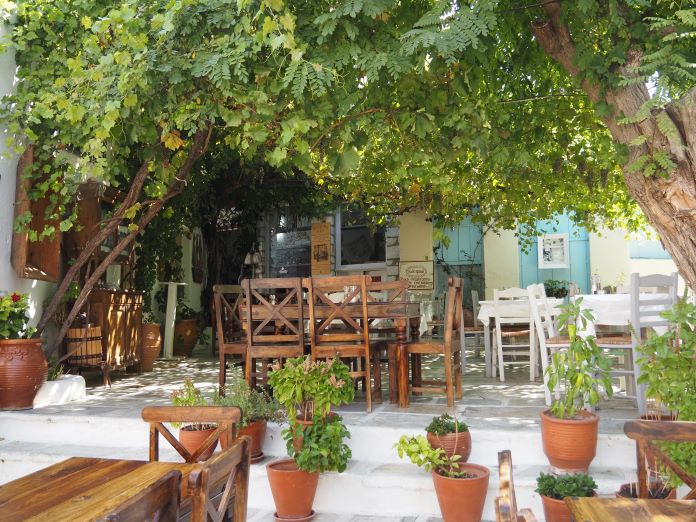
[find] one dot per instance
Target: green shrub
(445, 424)
(562, 486)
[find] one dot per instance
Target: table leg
(487, 348)
(401, 363)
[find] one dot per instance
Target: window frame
(360, 266)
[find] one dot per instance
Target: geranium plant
(13, 317)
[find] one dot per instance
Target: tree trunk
(669, 204)
(198, 148)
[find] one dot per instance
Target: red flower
(16, 297)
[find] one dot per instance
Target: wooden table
(405, 314)
(597, 509)
(81, 488)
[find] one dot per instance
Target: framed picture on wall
(553, 251)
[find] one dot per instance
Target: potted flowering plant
(461, 487)
(23, 366)
(568, 430)
(315, 438)
(554, 488)
(192, 436)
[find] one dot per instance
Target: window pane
(290, 248)
(359, 243)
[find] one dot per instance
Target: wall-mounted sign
(553, 251)
(419, 274)
(321, 248)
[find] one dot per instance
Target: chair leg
(501, 362)
(458, 374)
(391, 367)
(449, 381)
(368, 382)
(222, 374)
(416, 371)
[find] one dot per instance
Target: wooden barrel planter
(85, 346)
(151, 341)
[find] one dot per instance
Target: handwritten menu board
(321, 248)
(419, 274)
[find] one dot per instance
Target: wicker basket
(85, 344)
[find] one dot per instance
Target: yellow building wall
(501, 260)
(415, 237)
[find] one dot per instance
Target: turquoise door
(578, 271)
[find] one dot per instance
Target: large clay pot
(192, 438)
(452, 443)
(151, 342)
(293, 490)
(185, 337)
(462, 499)
(257, 432)
(23, 369)
(570, 444)
(555, 510)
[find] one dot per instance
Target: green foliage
(323, 447)
(445, 424)
(554, 288)
(423, 455)
(13, 317)
(309, 388)
(579, 370)
(55, 369)
(256, 405)
(668, 369)
(562, 486)
(189, 395)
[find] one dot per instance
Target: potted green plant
(461, 487)
(555, 288)
(668, 372)
(257, 408)
(150, 341)
(23, 366)
(315, 437)
(568, 430)
(185, 330)
(554, 488)
(193, 435)
(451, 435)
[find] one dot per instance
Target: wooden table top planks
(81, 488)
(597, 509)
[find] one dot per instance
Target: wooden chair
(221, 485)
(224, 417)
(279, 332)
(646, 434)
(227, 300)
(352, 339)
(449, 346)
(158, 501)
(509, 327)
(505, 502)
(549, 340)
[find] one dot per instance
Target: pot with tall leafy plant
(23, 366)
(257, 408)
(668, 373)
(568, 430)
(192, 436)
(315, 438)
(460, 487)
(554, 488)
(150, 341)
(451, 435)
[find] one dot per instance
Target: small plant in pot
(568, 430)
(554, 488)
(23, 366)
(315, 437)
(185, 330)
(451, 435)
(150, 341)
(192, 436)
(257, 409)
(460, 487)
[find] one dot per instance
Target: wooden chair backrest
(503, 315)
(646, 433)
(354, 294)
(283, 312)
(646, 309)
(224, 417)
(453, 312)
(227, 300)
(395, 291)
(506, 502)
(229, 469)
(159, 501)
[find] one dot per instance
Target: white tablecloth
(615, 309)
(514, 307)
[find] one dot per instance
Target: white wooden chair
(511, 324)
(549, 340)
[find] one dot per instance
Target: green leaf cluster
(562, 486)
(323, 445)
(422, 454)
(444, 424)
(255, 404)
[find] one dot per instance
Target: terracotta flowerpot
(185, 337)
(570, 444)
(555, 510)
(462, 499)
(452, 443)
(257, 432)
(657, 490)
(23, 369)
(152, 344)
(191, 439)
(293, 490)
(298, 437)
